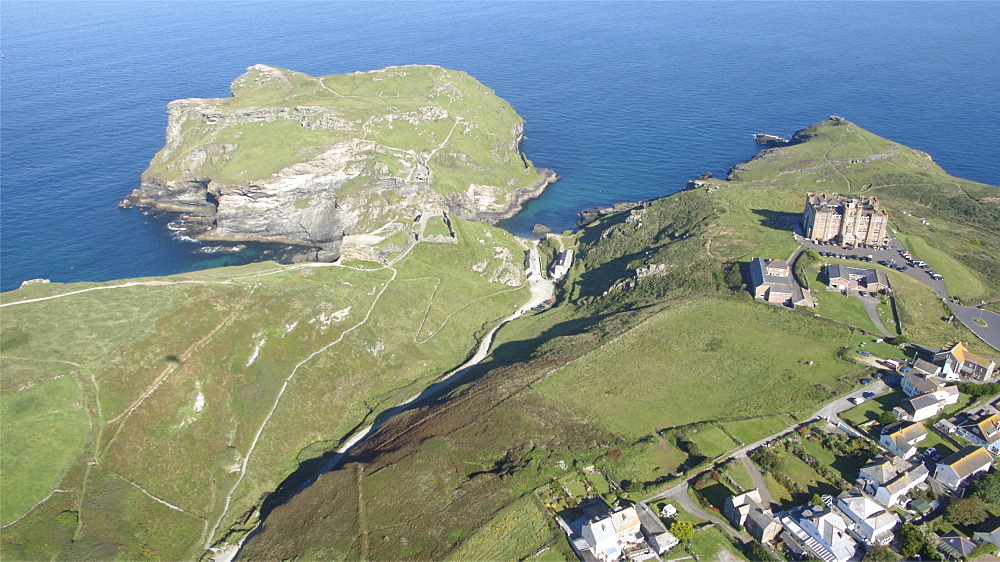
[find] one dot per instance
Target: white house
(871, 521)
(609, 536)
(956, 359)
(924, 406)
(983, 429)
(915, 384)
(955, 470)
(901, 438)
(655, 531)
(823, 532)
(890, 480)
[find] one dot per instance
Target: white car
(856, 400)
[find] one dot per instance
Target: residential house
(894, 491)
(737, 507)
(607, 537)
(914, 384)
(871, 521)
(890, 480)
(656, 533)
(822, 531)
(901, 438)
(845, 277)
(928, 397)
(845, 220)
(982, 428)
(928, 369)
(956, 359)
(988, 532)
(762, 525)
(771, 280)
(562, 265)
(955, 545)
(955, 470)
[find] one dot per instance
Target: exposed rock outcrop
(263, 166)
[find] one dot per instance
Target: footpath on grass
(541, 289)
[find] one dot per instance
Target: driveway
(989, 334)
(871, 304)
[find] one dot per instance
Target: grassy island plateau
(169, 417)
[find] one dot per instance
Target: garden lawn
(713, 441)
(870, 409)
(709, 542)
(740, 475)
(753, 430)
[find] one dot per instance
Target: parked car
(938, 457)
(930, 451)
(866, 381)
(904, 369)
(868, 395)
(864, 352)
(856, 400)
(862, 293)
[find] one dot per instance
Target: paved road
(989, 334)
(871, 304)
(758, 482)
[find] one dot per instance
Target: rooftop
(968, 460)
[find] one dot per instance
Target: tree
(817, 500)
(967, 511)
(766, 459)
(987, 487)
(756, 551)
(683, 530)
(880, 553)
(886, 417)
(911, 540)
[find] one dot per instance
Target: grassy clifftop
(278, 118)
(655, 333)
(149, 417)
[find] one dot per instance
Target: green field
(713, 441)
(719, 368)
(177, 410)
(44, 430)
(753, 430)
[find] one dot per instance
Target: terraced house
(956, 359)
(845, 220)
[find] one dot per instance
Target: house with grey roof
(889, 480)
(771, 281)
(956, 545)
(981, 428)
(988, 532)
(871, 521)
(847, 277)
(822, 531)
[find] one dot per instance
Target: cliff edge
(296, 159)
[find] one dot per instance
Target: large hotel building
(846, 220)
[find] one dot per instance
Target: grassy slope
(223, 344)
(482, 149)
(626, 356)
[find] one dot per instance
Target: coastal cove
(651, 96)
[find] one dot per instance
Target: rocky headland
(314, 161)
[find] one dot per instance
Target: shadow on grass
(505, 355)
(778, 220)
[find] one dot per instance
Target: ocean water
(627, 101)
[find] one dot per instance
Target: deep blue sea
(627, 100)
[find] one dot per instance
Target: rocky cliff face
(296, 159)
